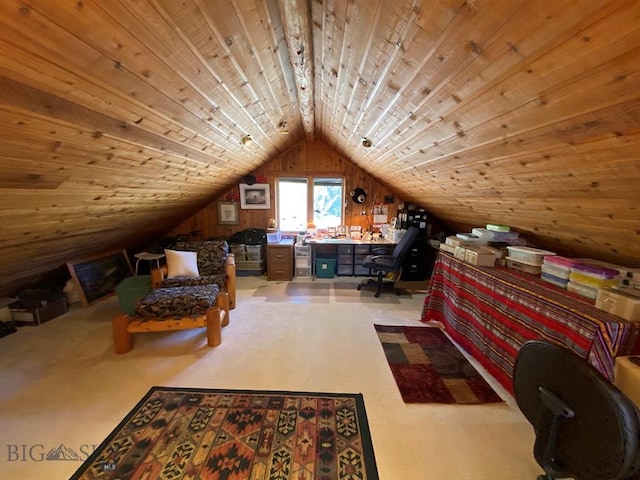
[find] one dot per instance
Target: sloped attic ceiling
(120, 118)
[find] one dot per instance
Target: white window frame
(310, 181)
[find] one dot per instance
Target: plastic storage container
(345, 259)
(247, 268)
(585, 291)
(359, 270)
(303, 272)
(498, 228)
(326, 267)
(505, 236)
(254, 252)
(532, 256)
(303, 262)
(522, 266)
(131, 289)
(595, 271)
(362, 250)
(629, 277)
(239, 250)
(303, 250)
(552, 279)
(590, 281)
(345, 270)
(558, 272)
(274, 236)
(484, 235)
(560, 262)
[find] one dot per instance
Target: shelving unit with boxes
(350, 258)
(249, 259)
(359, 253)
(302, 259)
(345, 264)
(346, 258)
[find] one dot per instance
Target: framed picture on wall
(228, 213)
(255, 196)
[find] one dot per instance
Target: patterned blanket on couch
(212, 255)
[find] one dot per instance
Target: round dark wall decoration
(250, 179)
(359, 195)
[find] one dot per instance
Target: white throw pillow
(181, 264)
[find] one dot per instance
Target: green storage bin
(326, 267)
(131, 289)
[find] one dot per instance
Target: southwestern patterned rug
(428, 368)
(188, 433)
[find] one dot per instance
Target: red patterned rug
(428, 368)
(188, 433)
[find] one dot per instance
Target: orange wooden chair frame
(124, 326)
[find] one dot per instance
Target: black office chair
(586, 428)
(382, 264)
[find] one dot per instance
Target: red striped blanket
(492, 312)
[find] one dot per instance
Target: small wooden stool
(216, 317)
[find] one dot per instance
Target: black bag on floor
(249, 236)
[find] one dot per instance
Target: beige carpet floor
(325, 291)
(62, 385)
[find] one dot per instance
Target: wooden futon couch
(196, 288)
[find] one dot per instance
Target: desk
(492, 312)
(349, 253)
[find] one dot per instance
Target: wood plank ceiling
(119, 118)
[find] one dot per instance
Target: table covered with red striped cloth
(492, 312)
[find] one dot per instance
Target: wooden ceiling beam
(297, 30)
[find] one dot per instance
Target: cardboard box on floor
(37, 307)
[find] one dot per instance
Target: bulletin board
(380, 214)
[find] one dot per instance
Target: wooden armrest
(157, 276)
(230, 272)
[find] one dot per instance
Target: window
(327, 202)
(292, 204)
(295, 210)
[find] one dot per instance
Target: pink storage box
(602, 273)
(560, 262)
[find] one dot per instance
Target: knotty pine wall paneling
(305, 158)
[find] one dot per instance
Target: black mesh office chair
(382, 264)
(586, 428)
